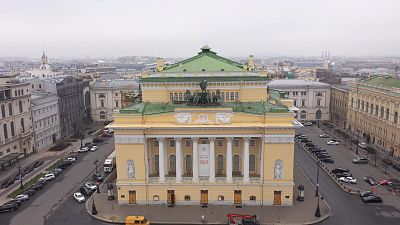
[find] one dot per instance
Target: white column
(246, 152)
(212, 160)
(229, 160)
(161, 156)
(178, 158)
(195, 160)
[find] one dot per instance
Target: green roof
(207, 78)
(259, 108)
(205, 61)
(390, 82)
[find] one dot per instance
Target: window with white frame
(220, 142)
(172, 143)
(236, 142)
(188, 142)
(252, 142)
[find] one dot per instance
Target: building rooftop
(295, 82)
(116, 84)
(385, 81)
(201, 78)
(205, 61)
(259, 108)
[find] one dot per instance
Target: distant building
(44, 70)
(311, 97)
(106, 96)
(373, 112)
(46, 120)
(15, 122)
(339, 105)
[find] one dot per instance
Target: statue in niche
(278, 169)
(130, 168)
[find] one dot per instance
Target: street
(50, 200)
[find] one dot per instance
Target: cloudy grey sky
(99, 28)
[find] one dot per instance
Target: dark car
(29, 192)
(37, 164)
(328, 160)
(396, 166)
(366, 193)
(7, 183)
(19, 175)
(88, 144)
(18, 202)
(98, 177)
(309, 144)
(98, 140)
(305, 140)
(338, 175)
(340, 170)
(43, 182)
(28, 169)
(372, 199)
(56, 172)
(318, 154)
(86, 191)
(37, 186)
(63, 165)
(9, 207)
(370, 180)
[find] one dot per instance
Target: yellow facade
(236, 151)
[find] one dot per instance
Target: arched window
(10, 109)
(252, 163)
(187, 197)
(232, 96)
(12, 129)
(382, 112)
(252, 198)
(156, 168)
(102, 115)
(188, 163)
(22, 125)
(318, 102)
(220, 164)
(396, 117)
(3, 111)
(175, 96)
(102, 96)
(172, 164)
(5, 131)
(303, 114)
(20, 106)
(318, 94)
(318, 114)
(102, 103)
(236, 165)
(387, 114)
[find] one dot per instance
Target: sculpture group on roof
(203, 97)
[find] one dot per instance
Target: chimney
(250, 63)
(160, 64)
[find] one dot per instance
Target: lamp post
(94, 210)
(317, 211)
(20, 174)
(95, 163)
(317, 185)
(357, 145)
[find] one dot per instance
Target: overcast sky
(100, 28)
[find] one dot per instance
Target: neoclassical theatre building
(208, 131)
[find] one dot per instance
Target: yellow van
(136, 220)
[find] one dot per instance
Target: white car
(94, 148)
(83, 149)
(92, 186)
(362, 145)
(70, 159)
(22, 197)
(48, 177)
(324, 136)
(332, 142)
(349, 180)
(79, 197)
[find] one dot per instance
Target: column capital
(160, 140)
(229, 139)
(212, 139)
(194, 139)
(178, 139)
(247, 139)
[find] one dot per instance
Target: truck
(109, 163)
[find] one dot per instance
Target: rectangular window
(295, 102)
(303, 102)
(237, 96)
(155, 143)
(172, 143)
(188, 142)
(236, 142)
(252, 142)
(220, 142)
(8, 150)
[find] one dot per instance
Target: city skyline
(177, 28)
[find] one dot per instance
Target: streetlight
(317, 211)
(357, 145)
(20, 174)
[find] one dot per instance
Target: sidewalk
(299, 213)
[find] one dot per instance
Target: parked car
(366, 193)
(98, 140)
(305, 140)
(37, 164)
(19, 175)
(9, 207)
(91, 185)
(79, 197)
(22, 197)
(329, 125)
(387, 161)
(98, 177)
(29, 192)
(86, 191)
(362, 145)
(83, 149)
(349, 180)
(340, 170)
(332, 142)
(18, 202)
(324, 136)
(301, 136)
(88, 144)
(339, 175)
(63, 165)
(70, 159)
(94, 148)
(7, 183)
(56, 172)
(307, 124)
(37, 187)
(370, 180)
(327, 160)
(28, 169)
(372, 199)
(48, 177)
(42, 182)
(396, 166)
(361, 160)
